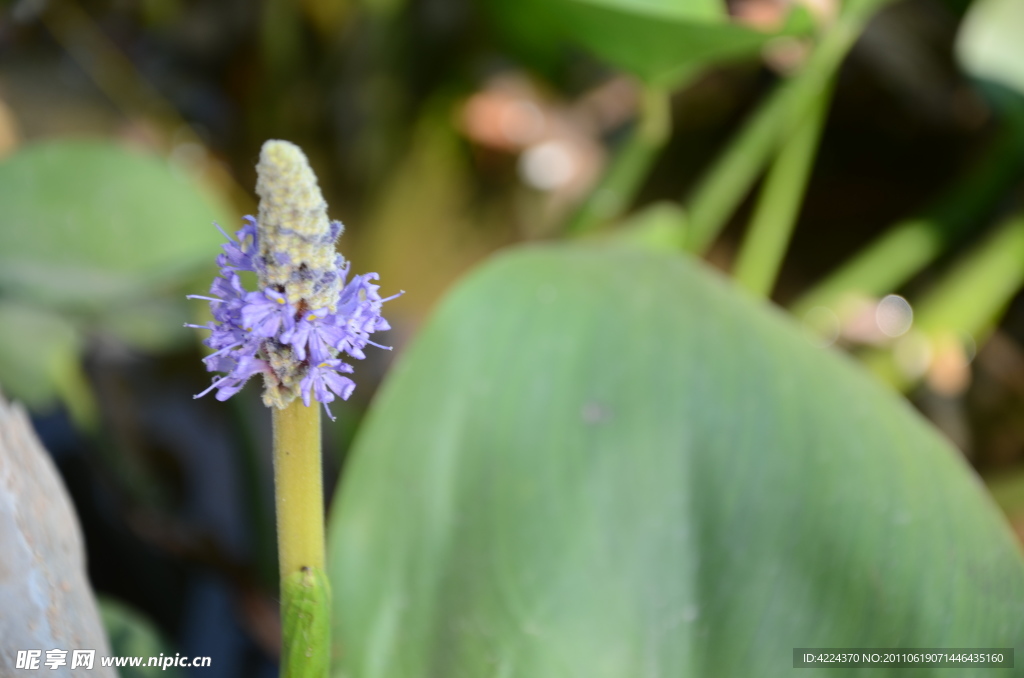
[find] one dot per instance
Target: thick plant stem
(714, 199)
(765, 244)
(298, 488)
(630, 166)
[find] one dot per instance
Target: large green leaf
(606, 463)
(133, 635)
(87, 221)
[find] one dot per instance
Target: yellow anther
(280, 300)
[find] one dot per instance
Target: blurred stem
(765, 244)
(726, 183)
(908, 246)
(630, 165)
(298, 484)
(76, 392)
(969, 300)
(973, 296)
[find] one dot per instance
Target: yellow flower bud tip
(296, 237)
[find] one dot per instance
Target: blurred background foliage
(826, 155)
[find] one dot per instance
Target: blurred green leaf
(85, 222)
(660, 41)
(701, 10)
(657, 43)
(133, 635)
(988, 45)
(606, 463)
(155, 325)
(39, 362)
(36, 350)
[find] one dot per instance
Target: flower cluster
(307, 313)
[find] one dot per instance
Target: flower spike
(304, 318)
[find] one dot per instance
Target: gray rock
(46, 602)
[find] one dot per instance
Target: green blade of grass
(726, 183)
(764, 246)
(906, 248)
(629, 167)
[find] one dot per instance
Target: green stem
(969, 300)
(305, 596)
(629, 167)
(973, 296)
(882, 267)
(768, 237)
(722, 188)
(908, 246)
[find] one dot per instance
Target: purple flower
(266, 313)
(238, 255)
(296, 349)
(315, 334)
(323, 381)
(359, 316)
(241, 370)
